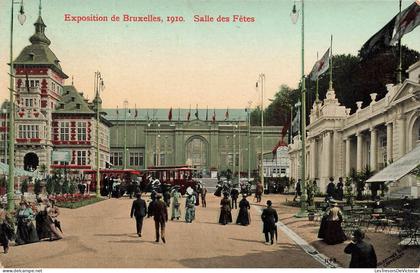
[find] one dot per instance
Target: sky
(214, 64)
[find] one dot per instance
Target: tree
(66, 186)
(50, 185)
(72, 187)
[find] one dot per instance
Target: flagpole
(399, 69)
(125, 134)
(317, 79)
(330, 63)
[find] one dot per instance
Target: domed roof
(39, 53)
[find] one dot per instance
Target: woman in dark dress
(225, 210)
(330, 229)
(26, 232)
(243, 216)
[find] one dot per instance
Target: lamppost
(294, 15)
(98, 86)
(125, 134)
(239, 151)
(11, 161)
(249, 139)
(234, 151)
(146, 148)
(261, 79)
(4, 111)
(157, 142)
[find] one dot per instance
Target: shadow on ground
(261, 259)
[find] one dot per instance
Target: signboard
(61, 156)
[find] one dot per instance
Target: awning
(399, 168)
(4, 169)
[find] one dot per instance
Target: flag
(170, 114)
(129, 112)
(296, 120)
(147, 114)
(409, 20)
(207, 114)
(213, 118)
(117, 109)
(321, 66)
(227, 114)
(378, 41)
(135, 111)
(196, 111)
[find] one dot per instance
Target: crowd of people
(19, 226)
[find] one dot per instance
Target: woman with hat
(333, 233)
(190, 206)
(26, 232)
(7, 230)
(176, 203)
(243, 216)
(225, 209)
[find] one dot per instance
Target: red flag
(214, 116)
(409, 20)
(170, 114)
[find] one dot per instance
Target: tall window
(65, 130)
(81, 131)
(136, 159)
(116, 158)
(81, 158)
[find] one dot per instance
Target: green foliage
(359, 180)
(3, 181)
(43, 169)
(24, 186)
(37, 187)
(82, 203)
(310, 191)
(348, 190)
(66, 186)
(50, 185)
(72, 187)
(57, 185)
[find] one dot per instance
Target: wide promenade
(103, 235)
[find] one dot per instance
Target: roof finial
(40, 7)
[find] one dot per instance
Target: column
(313, 159)
(401, 136)
(359, 164)
(348, 156)
(389, 142)
(373, 149)
(327, 155)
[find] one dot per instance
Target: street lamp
(125, 133)
(146, 147)
(98, 86)
(294, 15)
(249, 139)
(11, 178)
(261, 79)
(4, 111)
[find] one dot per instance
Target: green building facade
(205, 139)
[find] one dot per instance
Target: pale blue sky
(214, 64)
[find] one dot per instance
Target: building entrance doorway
(30, 162)
(197, 152)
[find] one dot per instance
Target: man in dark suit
(331, 190)
(160, 215)
(269, 218)
(139, 210)
(362, 254)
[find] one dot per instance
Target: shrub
(66, 187)
(37, 187)
(50, 186)
(72, 188)
(24, 186)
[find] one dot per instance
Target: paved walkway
(103, 235)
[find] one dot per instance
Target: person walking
(7, 230)
(160, 215)
(298, 190)
(190, 206)
(234, 194)
(331, 190)
(362, 254)
(340, 189)
(259, 191)
(243, 216)
(225, 209)
(270, 218)
(203, 196)
(139, 210)
(176, 203)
